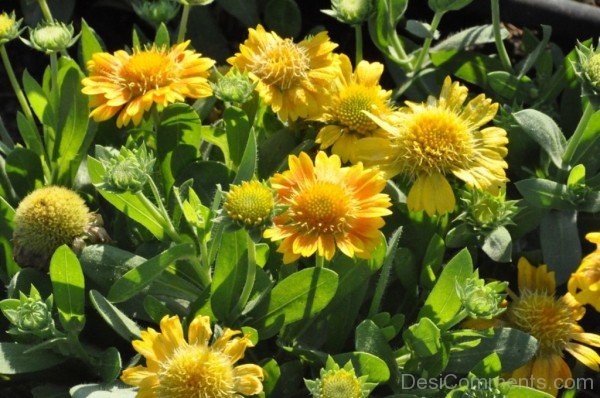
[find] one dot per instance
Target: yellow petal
(585, 355)
(431, 193)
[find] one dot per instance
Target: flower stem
(502, 53)
(382, 283)
(319, 261)
(359, 43)
(45, 10)
(15, 85)
(250, 275)
(163, 211)
(185, 14)
(156, 214)
(437, 17)
(576, 138)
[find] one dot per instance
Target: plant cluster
(285, 225)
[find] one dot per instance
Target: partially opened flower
(584, 284)
(293, 78)
(130, 84)
(440, 138)
(553, 321)
(328, 206)
(339, 382)
(180, 368)
(352, 94)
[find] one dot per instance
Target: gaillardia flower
(48, 218)
(293, 78)
(584, 284)
(327, 205)
(249, 204)
(129, 84)
(442, 137)
(353, 93)
(553, 322)
(336, 382)
(10, 28)
(180, 368)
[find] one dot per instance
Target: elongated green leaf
(162, 38)
(300, 296)
(237, 127)
(544, 194)
(527, 392)
(116, 319)
(126, 202)
(68, 287)
(561, 247)
(498, 245)
(532, 58)
(365, 364)
(443, 303)
(89, 43)
(249, 159)
(588, 148)
(38, 100)
(24, 170)
(370, 339)
(138, 278)
(13, 359)
(469, 37)
(30, 134)
(543, 130)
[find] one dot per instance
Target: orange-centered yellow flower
(293, 78)
(553, 322)
(327, 205)
(176, 368)
(129, 84)
(584, 284)
(353, 93)
(436, 139)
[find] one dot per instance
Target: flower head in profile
(344, 115)
(437, 139)
(339, 382)
(180, 368)
(10, 28)
(293, 78)
(51, 37)
(130, 84)
(553, 321)
(327, 206)
(584, 284)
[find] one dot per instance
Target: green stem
(45, 10)
(165, 222)
(319, 261)
(576, 138)
(163, 211)
(502, 53)
(437, 17)
(382, 283)
(250, 275)
(185, 15)
(16, 86)
(359, 43)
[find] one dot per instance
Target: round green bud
(593, 70)
(156, 12)
(351, 12)
(336, 382)
(479, 300)
(33, 316)
(51, 37)
(483, 210)
(129, 170)
(9, 27)
(234, 87)
(46, 219)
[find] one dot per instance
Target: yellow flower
(176, 368)
(553, 322)
(293, 78)
(584, 284)
(250, 203)
(327, 206)
(441, 137)
(129, 84)
(346, 122)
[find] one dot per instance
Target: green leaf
(38, 100)
(544, 194)
(162, 38)
(467, 65)
(576, 176)
(68, 288)
(423, 338)
(24, 170)
(382, 25)
(514, 348)
(532, 58)
(443, 304)
(370, 339)
(109, 367)
(207, 175)
(498, 245)
(138, 278)
(116, 319)
(509, 86)
(284, 17)
(244, 10)
(72, 135)
(126, 202)
(89, 43)
(155, 308)
(473, 36)
(420, 29)
(115, 389)
(300, 296)
(432, 261)
(14, 360)
(588, 147)
(365, 364)
(249, 161)
(237, 128)
(30, 134)
(543, 130)
(230, 274)
(526, 392)
(561, 247)
(489, 367)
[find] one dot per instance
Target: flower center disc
(6, 23)
(196, 371)
(341, 384)
(322, 208)
(147, 70)
(349, 110)
(436, 140)
(282, 64)
(545, 318)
